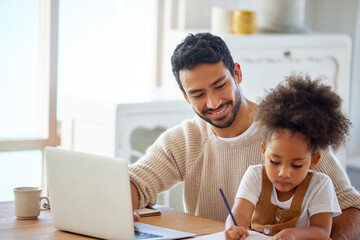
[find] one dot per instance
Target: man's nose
(213, 101)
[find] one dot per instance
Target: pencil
(227, 206)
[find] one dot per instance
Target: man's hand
(135, 201)
(136, 216)
(347, 225)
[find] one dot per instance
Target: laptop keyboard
(144, 235)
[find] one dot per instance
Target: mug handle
(47, 206)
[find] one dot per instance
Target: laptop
(90, 195)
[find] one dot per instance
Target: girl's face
(287, 160)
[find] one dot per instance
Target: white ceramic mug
(27, 202)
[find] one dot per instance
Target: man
(215, 148)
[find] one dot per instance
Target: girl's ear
(263, 150)
(314, 160)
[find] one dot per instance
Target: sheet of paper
(221, 236)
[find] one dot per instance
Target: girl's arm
(320, 228)
(242, 211)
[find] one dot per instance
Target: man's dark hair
(301, 105)
(197, 49)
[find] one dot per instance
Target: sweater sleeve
(347, 195)
(165, 162)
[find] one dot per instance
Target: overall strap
(266, 186)
(300, 192)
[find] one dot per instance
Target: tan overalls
(269, 218)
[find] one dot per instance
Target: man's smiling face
(212, 92)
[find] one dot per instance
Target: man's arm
(163, 165)
(347, 225)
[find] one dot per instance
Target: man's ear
(237, 73)
(185, 96)
(263, 150)
(314, 160)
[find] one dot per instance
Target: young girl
(282, 198)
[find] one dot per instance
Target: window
(19, 78)
(27, 90)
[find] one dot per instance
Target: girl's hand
(286, 234)
(236, 233)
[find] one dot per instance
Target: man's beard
(234, 112)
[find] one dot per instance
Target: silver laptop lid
(89, 194)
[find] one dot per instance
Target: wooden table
(41, 228)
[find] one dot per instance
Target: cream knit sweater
(192, 153)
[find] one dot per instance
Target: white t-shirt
(320, 196)
(248, 132)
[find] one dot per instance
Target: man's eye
(273, 162)
(221, 86)
(197, 96)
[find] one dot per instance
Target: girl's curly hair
(307, 107)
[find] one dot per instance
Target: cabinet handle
(287, 53)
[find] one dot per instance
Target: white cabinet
(118, 129)
(139, 124)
